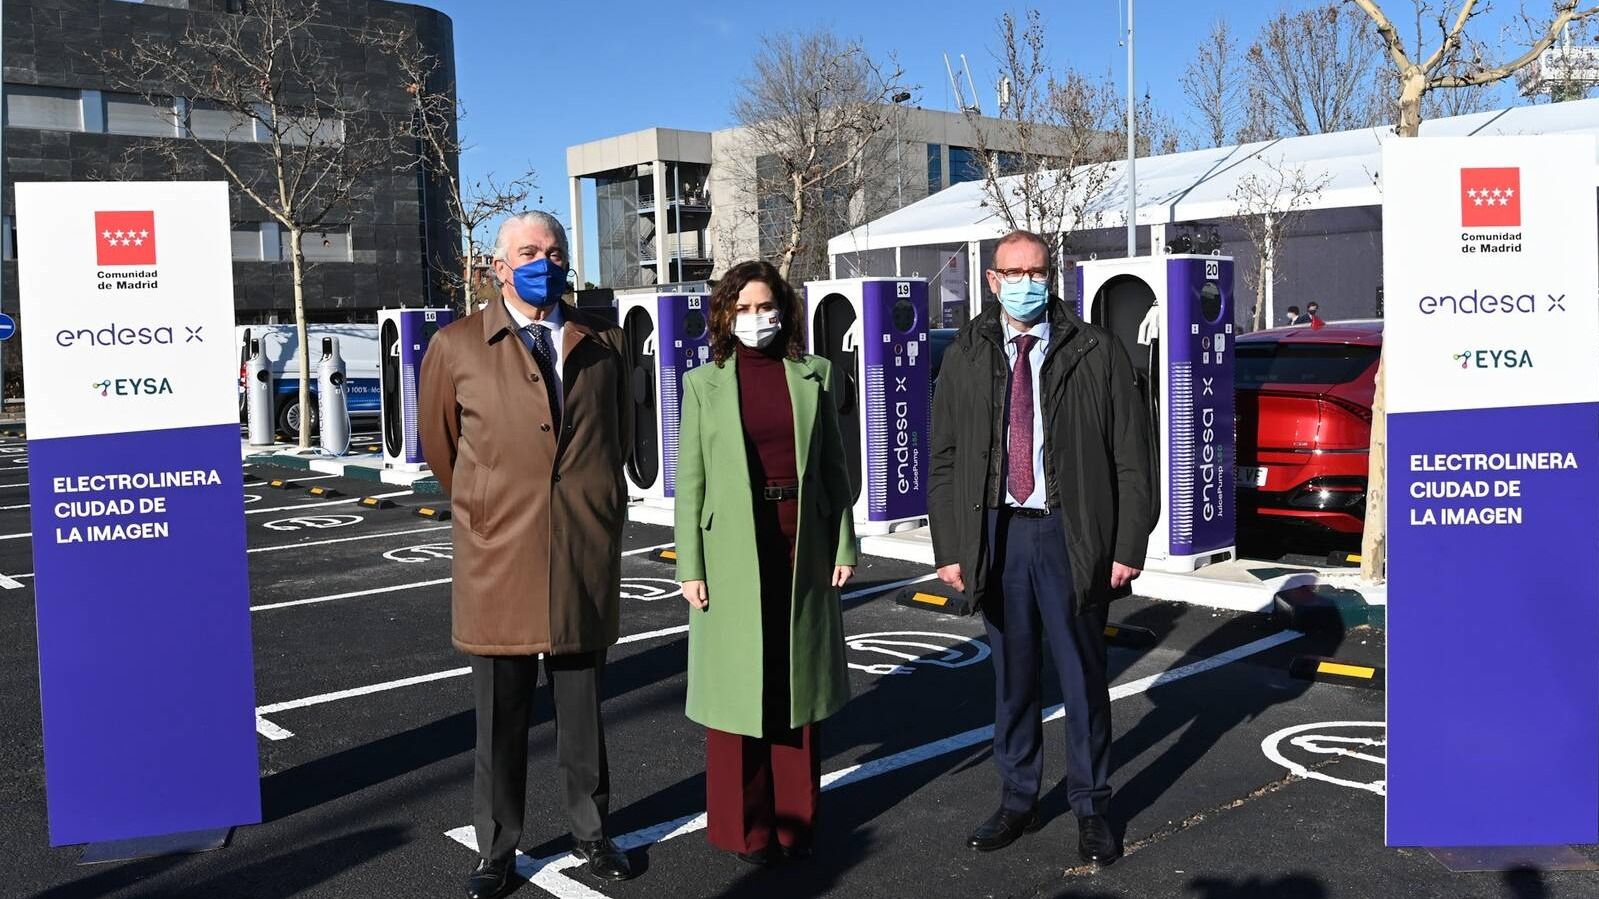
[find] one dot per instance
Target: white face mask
(757, 329)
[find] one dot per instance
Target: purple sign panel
(1502, 656)
(1199, 412)
(683, 341)
(143, 606)
(898, 397)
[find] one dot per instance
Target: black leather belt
(775, 494)
(1020, 512)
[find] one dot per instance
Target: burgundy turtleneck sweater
(768, 415)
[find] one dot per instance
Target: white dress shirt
(1039, 498)
(556, 325)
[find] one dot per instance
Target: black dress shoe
(1096, 842)
(1002, 829)
(604, 859)
(489, 880)
(763, 857)
(795, 853)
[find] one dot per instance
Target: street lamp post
(1132, 144)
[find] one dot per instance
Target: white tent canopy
(1201, 184)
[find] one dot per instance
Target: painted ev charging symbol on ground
(251, 498)
(650, 589)
(317, 522)
(1302, 746)
(910, 649)
(426, 552)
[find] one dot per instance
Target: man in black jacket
(1041, 500)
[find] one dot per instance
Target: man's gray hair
(536, 217)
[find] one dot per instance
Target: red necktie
(1019, 478)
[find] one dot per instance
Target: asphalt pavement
(1233, 779)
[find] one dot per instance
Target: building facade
(673, 206)
(63, 121)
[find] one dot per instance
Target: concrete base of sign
(367, 466)
(185, 843)
(1242, 585)
(1471, 859)
(652, 511)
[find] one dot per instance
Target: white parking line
(273, 549)
(4, 486)
(331, 502)
(393, 588)
(546, 872)
(296, 478)
(10, 583)
(372, 592)
(336, 502)
(266, 728)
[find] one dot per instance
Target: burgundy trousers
(760, 787)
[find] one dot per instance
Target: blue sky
(537, 79)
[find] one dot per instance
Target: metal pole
(1132, 142)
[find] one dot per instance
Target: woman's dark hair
(724, 300)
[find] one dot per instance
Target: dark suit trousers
(502, 687)
(1029, 596)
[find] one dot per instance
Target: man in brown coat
(524, 420)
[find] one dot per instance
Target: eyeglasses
(1015, 275)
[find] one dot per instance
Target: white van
(358, 347)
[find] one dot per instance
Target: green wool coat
(716, 544)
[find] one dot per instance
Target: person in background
(764, 541)
(524, 420)
(1314, 315)
(1295, 317)
(1041, 499)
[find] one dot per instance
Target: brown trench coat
(537, 515)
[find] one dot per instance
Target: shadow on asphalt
(284, 874)
(1200, 725)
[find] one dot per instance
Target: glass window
(247, 240)
(30, 106)
(8, 232)
(964, 165)
(314, 129)
(935, 168)
(132, 114)
(1261, 362)
(321, 246)
(208, 120)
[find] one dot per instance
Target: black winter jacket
(1098, 464)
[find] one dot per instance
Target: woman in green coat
(764, 541)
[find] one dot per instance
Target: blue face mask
(540, 282)
(1024, 300)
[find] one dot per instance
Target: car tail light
(1330, 494)
(1344, 425)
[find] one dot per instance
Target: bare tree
(814, 112)
(435, 152)
(1259, 124)
(1213, 82)
(1270, 203)
(1314, 70)
(1066, 130)
(287, 127)
(1456, 61)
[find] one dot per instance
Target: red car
(1304, 428)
